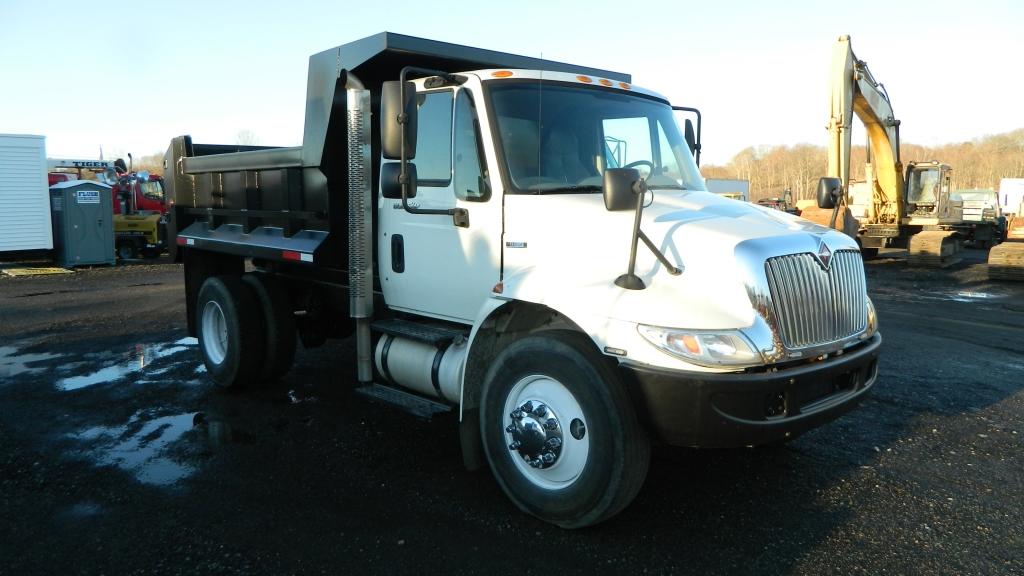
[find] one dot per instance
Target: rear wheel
(560, 432)
(229, 325)
(279, 321)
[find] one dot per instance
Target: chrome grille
(815, 306)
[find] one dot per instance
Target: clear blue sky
(129, 76)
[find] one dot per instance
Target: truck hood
(572, 243)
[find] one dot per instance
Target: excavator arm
(855, 91)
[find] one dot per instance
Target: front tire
(229, 325)
(560, 431)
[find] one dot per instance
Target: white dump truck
(531, 245)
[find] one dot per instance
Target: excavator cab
(928, 188)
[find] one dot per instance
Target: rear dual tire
(245, 330)
(279, 323)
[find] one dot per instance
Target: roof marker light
(585, 79)
(501, 73)
(604, 82)
(624, 86)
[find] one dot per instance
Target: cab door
(428, 264)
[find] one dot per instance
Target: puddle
(972, 296)
(13, 364)
(140, 449)
(134, 361)
(81, 511)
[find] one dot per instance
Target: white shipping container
(1011, 195)
(729, 187)
(24, 194)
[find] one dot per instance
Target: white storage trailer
(462, 212)
(24, 194)
(1011, 195)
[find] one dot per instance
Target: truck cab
(530, 244)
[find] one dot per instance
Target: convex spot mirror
(392, 106)
(618, 188)
(829, 191)
(390, 183)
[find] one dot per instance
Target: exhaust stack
(360, 239)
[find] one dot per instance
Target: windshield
(560, 138)
(153, 190)
(923, 186)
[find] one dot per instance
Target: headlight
(720, 348)
(872, 320)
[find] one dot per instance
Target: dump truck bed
(291, 203)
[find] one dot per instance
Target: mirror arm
(839, 200)
(661, 257)
(630, 280)
(460, 216)
(696, 147)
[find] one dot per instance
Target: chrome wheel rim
(546, 432)
(215, 332)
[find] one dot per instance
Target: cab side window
(470, 173)
(434, 138)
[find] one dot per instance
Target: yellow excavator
(889, 212)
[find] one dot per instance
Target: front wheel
(560, 432)
(126, 250)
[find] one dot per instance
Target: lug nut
(541, 410)
(535, 463)
(528, 407)
(551, 424)
(516, 414)
(548, 457)
(511, 428)
(514, 445)
(554, 443)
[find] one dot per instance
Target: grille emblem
(824, 256)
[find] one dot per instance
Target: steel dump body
(274, 203)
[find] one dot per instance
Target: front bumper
(729, 410)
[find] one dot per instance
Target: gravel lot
(118, 457)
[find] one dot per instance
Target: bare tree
(247, 138)
(771, 170)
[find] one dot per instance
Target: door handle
(460, 217)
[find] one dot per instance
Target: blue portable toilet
(83, 223)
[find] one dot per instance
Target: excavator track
(1006, 261)
(933, 249)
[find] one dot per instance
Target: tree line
(772, 170)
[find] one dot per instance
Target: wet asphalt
(117, 456)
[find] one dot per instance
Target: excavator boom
(854, 90)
